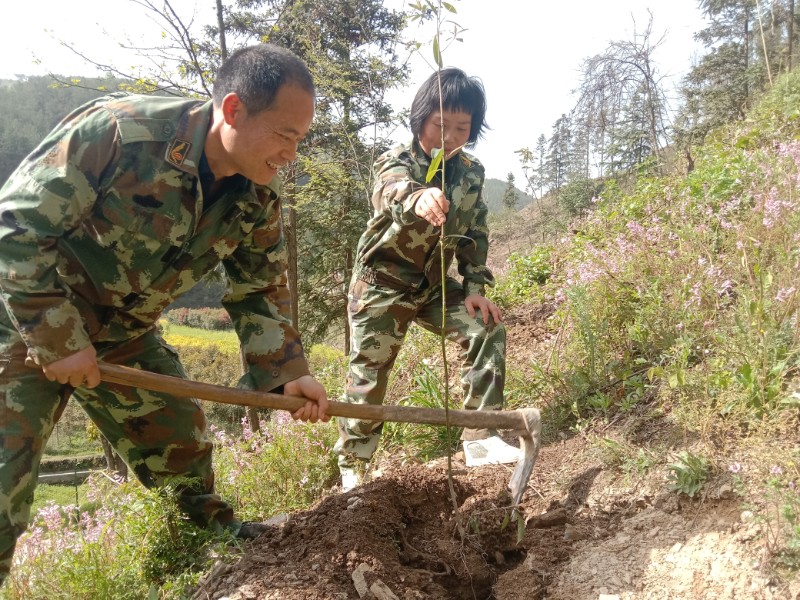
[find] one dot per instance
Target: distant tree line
(622, 122)
(31, 106)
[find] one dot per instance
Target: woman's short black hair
(255, 74)
(460, 93)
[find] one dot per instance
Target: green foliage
(60, 495)
(510, 194)
(329, 366)
(625, 457)
(780, 512)
(136, 544)
(215, 319)
(207, 293)
(423, 442)
(688, 474)
(350, 50)
(576, 196)
(285, 467)
(525, 276)
(31, 107)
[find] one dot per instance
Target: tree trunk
(114, 463)
(348, 273)
(223, 49)
(790, 34)
(291, 246)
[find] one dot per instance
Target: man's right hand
(76, 369)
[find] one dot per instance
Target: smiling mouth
(272, 165)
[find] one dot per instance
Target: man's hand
(76, 369)
(475, 302)
(432, 206)
(317, 405)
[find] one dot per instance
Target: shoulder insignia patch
(178, 150)
(467, 162)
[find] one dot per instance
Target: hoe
(525, 422)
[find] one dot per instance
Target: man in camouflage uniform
(125, 206)
(397, 278)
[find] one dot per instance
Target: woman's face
(457, 127)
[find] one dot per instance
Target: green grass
(61, 495)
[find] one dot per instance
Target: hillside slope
(659, 336)
(591, 531)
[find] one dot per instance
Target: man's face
(457, 127)
(257, 145)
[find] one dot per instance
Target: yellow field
(179, 335)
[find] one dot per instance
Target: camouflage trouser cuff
(471, 435)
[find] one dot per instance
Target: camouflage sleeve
(396, 189)
(48, 195)
(259, 305)
(471, 253)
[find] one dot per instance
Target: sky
(527, 53)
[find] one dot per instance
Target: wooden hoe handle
(185, 388)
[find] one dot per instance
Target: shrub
(524, 276)
(214, 319)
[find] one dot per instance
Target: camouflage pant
(160, 437)
(379, 319)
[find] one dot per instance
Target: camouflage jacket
(103, 226)
(400, 249)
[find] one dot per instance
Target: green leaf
(436, 160)
(473, 524)
(520, 529)
(437, 55)
(449, 7)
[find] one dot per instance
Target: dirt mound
(586, 535)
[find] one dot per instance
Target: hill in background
(495, 189)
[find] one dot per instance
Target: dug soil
(399, 536)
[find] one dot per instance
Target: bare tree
(621, 78)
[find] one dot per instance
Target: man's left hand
(317, 406)
(476, 302)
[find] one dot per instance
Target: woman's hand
(432, 206)
(477, 302)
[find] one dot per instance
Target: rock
(725, 492)
(354, 502)
(573, 534)
(382, 591)
(551, 518)
(359, 581)
(278, 519)
(266, 559)
(534, 564)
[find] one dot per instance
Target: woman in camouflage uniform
(397, 278)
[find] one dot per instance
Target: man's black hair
(257, 72)
(460, 93)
